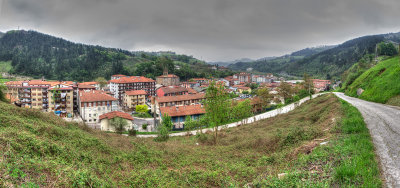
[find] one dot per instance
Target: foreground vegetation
(381, 83)
(38, 149)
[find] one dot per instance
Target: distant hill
(1, 34)
(329, 62)
(226, 63)
(36, 54)
(276, 64)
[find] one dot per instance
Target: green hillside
(39, 55)
(41, 150)
(326, 63)
(381, 83)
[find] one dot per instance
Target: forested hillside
(329, 63)
(40, 55)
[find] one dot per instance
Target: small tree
(189, 123)
(308, 84)
(265, 96)
(285, 91)
(119, 124)
(163, 130)
(102, 81)
(217, 107)
(142, 108)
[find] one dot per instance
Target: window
(90, 115)
(90, 120)
(99, 108)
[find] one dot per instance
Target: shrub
(144, 126)
(132, 132)
(163, 134)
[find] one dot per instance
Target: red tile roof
(81, 86)
(191, 91)
(173, 89)
(88, 83)
(174, 111)
(180, 97)
(131, 79)
(114, 114)
(136, 92)
(95, 95)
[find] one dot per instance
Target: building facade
(94, 103)
(133, 98)
(168, 80)
(122, 84)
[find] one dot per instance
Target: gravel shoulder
(383, 122)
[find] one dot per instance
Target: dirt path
(383, 122)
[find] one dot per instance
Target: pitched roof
(174, 111)
(131, 79)
(191, 91)
(89, 83)
(180, 97)
(172, 89)
(136, 92)
(81, 86)
(94, 96)
(114, 114)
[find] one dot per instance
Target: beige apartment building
(133, 98)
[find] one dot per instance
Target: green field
(381, 83)
(38, 149)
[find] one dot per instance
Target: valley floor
(324, 142)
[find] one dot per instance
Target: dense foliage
(380, 83)
(329, 63)
(40, 55)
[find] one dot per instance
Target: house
(242, 89)
(105, 120)
(94, 103)
(171, 91)
(180, 100)
(122, 84)
(321, 85)
(167, 79)
(232, 81)
(200, 81)
(179, 113)
(133, 98)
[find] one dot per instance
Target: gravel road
(383, 122)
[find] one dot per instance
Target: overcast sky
(211, 30)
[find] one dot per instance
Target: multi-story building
(243, 77)
(29, 94)
(133, 98)
(122, 84)
(94, 103)
(171, 91)
(320, 85)
(61, 99)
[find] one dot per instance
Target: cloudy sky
(213, 30)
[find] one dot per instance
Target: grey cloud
(211, 29)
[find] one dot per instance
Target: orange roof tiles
(136, 92)
(114, 114)
(131, 79)
(81, 86)
(94, 96)
(89, 83)
(180, 97)
(174, 111)
(173, 89)
(118, 75)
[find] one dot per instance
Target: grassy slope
(381, 82)
(41, 149)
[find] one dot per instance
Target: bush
(144, 126)
(132, 132)
(163, 134)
